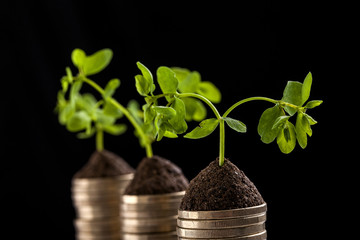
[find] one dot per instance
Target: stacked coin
(96, 201)
(242, 223)
(149, 217)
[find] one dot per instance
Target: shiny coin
(150, 206)
(133, 199)
(148, 225)
(257, 236)
(149, 213)
(221, 233)
(223, 223)
(92, 212)
(92, 236)
(78, 197)
(233, 213)
(107, 225)
(154, 236)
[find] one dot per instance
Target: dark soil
(104, 164)
(157, 175)
(220, 188)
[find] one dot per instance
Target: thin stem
(204, 99)
(222, 142)
(124, 110)
(248, 100)
(99, 139)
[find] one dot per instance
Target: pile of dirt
(220, 188)
(157, 175)
(104, 164)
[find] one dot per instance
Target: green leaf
(301, 128)
(195, 109)
(313, 103)
(142, 86)
(165, 112)
(167, 80)
(306, 87)
(178, 121)
(204, 129)
(78, 57)
(111, 87)
(115, 129)
(65, 112)
(181, 73)
(286, 138)
(292, 94)
(210, 91)
(311, 120)
(235, 124)
(280, 121)
(103, 118)
(146, 73)
(69, 74)
(190, 83)
(97, 61)
(149, 113)
(169, 134)
(266, 123)
(134, 108)
(111, 110)
(87, 134)
(78, 121)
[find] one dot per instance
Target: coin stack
(96, 201)
(149, 217)
(242, 223)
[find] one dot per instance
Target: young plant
(274, 123)
(83, 113)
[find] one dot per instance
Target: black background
(246, 49)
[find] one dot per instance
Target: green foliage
(235, 124)
(170, 120)
(204, 129)
(89, 65)
(274, 123)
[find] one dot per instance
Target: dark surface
(247, 48)
(157, 175)
(104, 164)
(220, 188)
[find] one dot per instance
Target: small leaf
(166, 112)
(110, 87)
(301, 130)
(146, 73)
(142, 85)
(97, 61)
(204, 129)
(235, 124)
(195, 109)
(78, 57)
(78, 121)
(280, 121)
(167, 80)
(313, 103)
(149, 113)
(266, 123)
(311, 120)
(66, 112)
(190, 83)
(169, 134)
(306, 87)
(111, 110)
(115, 129)
(178, 121)
(69, 74)
(210, 91)
(292, 94)
(286, 138)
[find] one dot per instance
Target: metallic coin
(93, 212)
(222, 223)
(153, 236)
(106, 225)
(233, 213)
(92, 236)
(221, 233)
(149, 213)
(150, 206)
(133, 199)
(257, 236)
(148, 225)
(95, 197)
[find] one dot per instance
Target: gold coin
(222, 223)
(131, 225)
(93, 212)
(98, 182)
(92, 236)
(221, 233)
(150, 206)
(257, 236)
(149, 213)
(150, 236)
(98, 226)
(154, 198)
(233, 213)
(78, 197)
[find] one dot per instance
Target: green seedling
(183, 95)
(84, 114)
